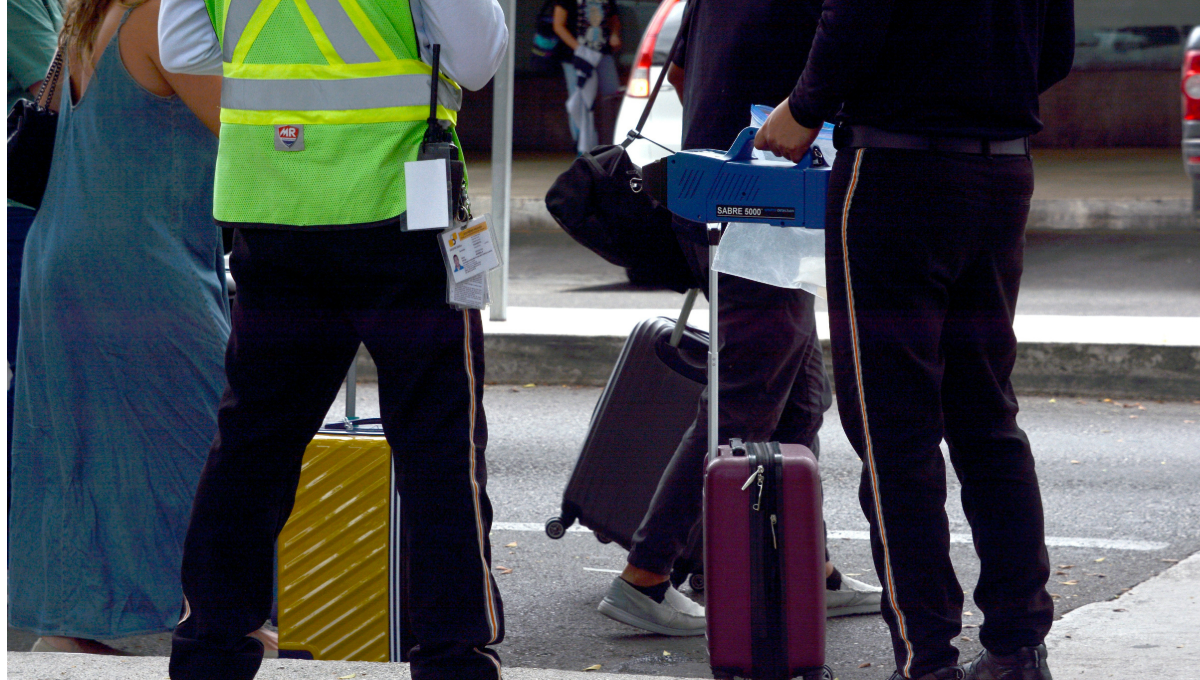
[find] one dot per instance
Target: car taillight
(639, 83)
(1191, 85)
(639, 78)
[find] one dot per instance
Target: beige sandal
(269, 640)
(71, 645)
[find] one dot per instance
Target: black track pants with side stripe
(923, 257)
(305, 300)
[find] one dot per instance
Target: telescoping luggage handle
(681, 322)
(351, 393)
(351, 424)
(714, 381)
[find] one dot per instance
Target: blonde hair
(81, 23)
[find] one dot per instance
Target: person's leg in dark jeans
(811, 395)
(288, 353)
(765, 346)
(19, 221)
(773, 388)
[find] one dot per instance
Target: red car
(1191, 114)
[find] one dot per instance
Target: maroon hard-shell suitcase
(764, 562)
(764, 558)
(647, 405)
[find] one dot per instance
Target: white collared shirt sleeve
(187, 42)
(472, 33)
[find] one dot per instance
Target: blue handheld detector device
(732, 186)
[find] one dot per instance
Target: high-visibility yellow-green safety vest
(322, 103)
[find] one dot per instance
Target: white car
(665, 124)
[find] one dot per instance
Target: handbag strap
(50, 82)
(684, 29)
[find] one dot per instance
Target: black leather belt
(863, 136)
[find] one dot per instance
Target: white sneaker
(675, 615)
(855, 597)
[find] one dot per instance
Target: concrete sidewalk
(1152, 631)
(1075, 189)
(1068, 349)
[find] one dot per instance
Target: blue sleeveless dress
(124, 321)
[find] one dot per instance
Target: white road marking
(606, 571)
(533, 526)
(1055, 541)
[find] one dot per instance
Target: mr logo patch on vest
(289, 138)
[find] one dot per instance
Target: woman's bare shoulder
(139, 48)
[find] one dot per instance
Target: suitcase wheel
(603, 539)
(696, 581)
(556, 528)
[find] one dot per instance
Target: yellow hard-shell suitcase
(339, 566)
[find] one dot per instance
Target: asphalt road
(1118, 481)
(1069, 273)
(1110, 472)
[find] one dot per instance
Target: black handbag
(599, 201)
(32, 126)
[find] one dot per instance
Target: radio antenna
(435, 132)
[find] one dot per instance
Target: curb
(1117, 371)
(1042, 368)
(529, 215)
(36, 666)
(1119, 215)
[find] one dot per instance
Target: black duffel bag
(599, 201)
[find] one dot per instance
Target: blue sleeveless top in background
(120, 364)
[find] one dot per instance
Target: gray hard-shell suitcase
(647, 405)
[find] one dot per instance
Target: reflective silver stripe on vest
(240, 12)
(342, 33)
(335, 95)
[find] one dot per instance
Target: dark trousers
(773, 388)
(924, 256)
(19, 221)
(305, 300)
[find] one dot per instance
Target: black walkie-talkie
(439, 144)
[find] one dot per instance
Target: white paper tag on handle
(470, 250)
(426, 187)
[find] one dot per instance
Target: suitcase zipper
(757, 474)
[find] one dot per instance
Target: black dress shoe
(947, 673)
(1027, 663)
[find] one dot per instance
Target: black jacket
(972, 68)
(736, 54)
